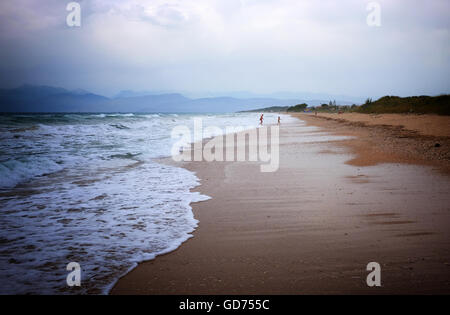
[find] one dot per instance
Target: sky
(259, 46)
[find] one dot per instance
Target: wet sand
(311, 227)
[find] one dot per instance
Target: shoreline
(258, 235)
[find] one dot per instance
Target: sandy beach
(314, 225)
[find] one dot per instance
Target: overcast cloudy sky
(262, 46)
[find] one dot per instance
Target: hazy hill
(272, 109)
(30, 98)
(148, 103)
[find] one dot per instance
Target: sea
(88, 188)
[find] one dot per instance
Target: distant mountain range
(46, 99)
(305, 96)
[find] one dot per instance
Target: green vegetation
(331, 107)
(297, 108)
(414, 104)
(393, 104)
(387, 104)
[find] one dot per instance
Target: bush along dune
(415, 104)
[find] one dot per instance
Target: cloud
(258, 45)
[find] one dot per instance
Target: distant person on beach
(279, 120)
(261, 119)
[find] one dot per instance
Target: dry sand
(390, 138)
(311, 227)
(428, 125)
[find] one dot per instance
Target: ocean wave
(120, 115)
(128, 155)
(119, 126)
(14, 172)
